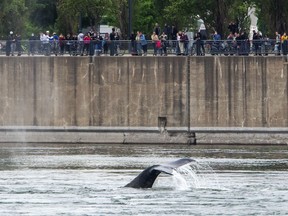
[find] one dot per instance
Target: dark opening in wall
(162, 122)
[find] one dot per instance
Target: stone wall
(138, 91)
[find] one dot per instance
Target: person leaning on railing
(284, 39)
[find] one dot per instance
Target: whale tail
(148, 176)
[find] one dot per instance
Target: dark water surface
(70, 179)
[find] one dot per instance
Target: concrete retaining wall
(166, 92)
(239, 92)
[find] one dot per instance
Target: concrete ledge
(101, 135)
(242, 138)
(143, 135)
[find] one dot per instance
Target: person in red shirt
(61, 43)
(87, 40)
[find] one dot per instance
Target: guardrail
(122, 47)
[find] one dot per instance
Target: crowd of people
(90, 43)
(94, 43)
(236, 43)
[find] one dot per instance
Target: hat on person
(11, 32)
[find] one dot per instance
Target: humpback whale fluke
(147, 177)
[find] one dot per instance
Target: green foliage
(26, 16)
(117, 15)
(71, 13)
(144, 16)
(42, 13)
(12, 16)
(272, 15)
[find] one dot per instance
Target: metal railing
(125, 47)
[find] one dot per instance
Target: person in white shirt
(80, 38)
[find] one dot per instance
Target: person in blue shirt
(216, 36)
(54, 40)
(143, 43)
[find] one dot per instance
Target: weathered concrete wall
(136, 91)
(239, 92)
(83, 91)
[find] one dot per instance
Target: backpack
(158, 44)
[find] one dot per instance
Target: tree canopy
(69, 16)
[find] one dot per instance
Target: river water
(70, 179)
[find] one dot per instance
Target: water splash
(193, 176)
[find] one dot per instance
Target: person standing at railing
(138, 43)
(163, 38)
(68, 43)
(257, 43)
(186, 43)
(284, 40)
(238, 40)
(277, 47)
(133, 43)
(106, 42)
(216, 42)
(99, 43)
(32, 44)
(8, 44)
(80, 38)
(143, 43)
(197, 41)
(62, 43)
(12, 39)
(267, 44)
(174, 33)
(18, 44)
(155, 39)
(74, 45)
(203, 37)
(117, 44)
(231, 43)
(87, 41)
(44, 38)
(112, 42)
(54, 43)
(244, 43)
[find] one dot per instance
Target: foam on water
(194, 175)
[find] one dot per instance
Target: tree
(144, 16)
(72, 12)
(272, 15)
(117, 15)
(215, 13)
(12, 16)
(42, 13)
